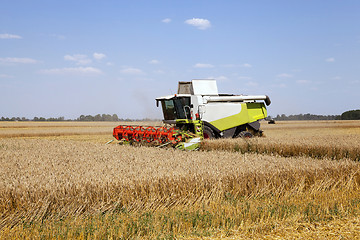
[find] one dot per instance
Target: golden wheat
(335, 140)
(69, 187)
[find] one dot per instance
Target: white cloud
(6, 76)
(132, 71)
(159, 72)
(18, 60)
(79, 59)
(218, 78)
(330, 59)
(221, 78)
(72, 71)
(99, 56)
(200, 23)
(154, 61)
(244, 78)
(247, 65)
(203, 65)
(58, 36)
(303, 81)
(228, 65)
(166, 20)
(252, 84)
(284, 75)
(337, 78)
(9, 36)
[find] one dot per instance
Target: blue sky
(67, 58)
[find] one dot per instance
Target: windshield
(168, 109)
(175, 108)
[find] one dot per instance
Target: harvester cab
(196, 112)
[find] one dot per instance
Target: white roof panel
(204, 87)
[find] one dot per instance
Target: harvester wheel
(208, 133)
(245, 134)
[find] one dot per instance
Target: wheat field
(317, 139)
(61, 181)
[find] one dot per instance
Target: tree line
(307, 116)
(351, 115)
(348, 115)
(82, 118)
(37, 119)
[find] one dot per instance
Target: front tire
(208, 133)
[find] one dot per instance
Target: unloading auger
(199, 112)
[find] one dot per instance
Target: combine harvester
(196, 112)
